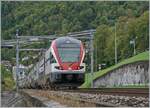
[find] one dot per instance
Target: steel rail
(144, 92)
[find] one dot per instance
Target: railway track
(93, 97)
(67, 100)
(143, 92)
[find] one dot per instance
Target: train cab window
(69, 54)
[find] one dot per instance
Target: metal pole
(17, 60)
(96, 58)
(115, 46)
(134, 47)
(92, 49)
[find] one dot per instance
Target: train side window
(52, 59)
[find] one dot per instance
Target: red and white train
(61, 65)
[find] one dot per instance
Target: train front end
(69, 67)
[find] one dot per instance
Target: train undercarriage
(58, 81)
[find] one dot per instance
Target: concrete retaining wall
(135, 73)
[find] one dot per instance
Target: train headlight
(80, 67)
(59, 67)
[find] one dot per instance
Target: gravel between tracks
(116, 100)
(111, 99)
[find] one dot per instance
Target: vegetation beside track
(140, 57)
(6, 79)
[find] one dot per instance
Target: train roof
(67, 40)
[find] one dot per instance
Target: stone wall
(135, 73)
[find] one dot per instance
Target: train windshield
(69, 53)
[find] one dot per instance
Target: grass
(140, 57)
(7, 78)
